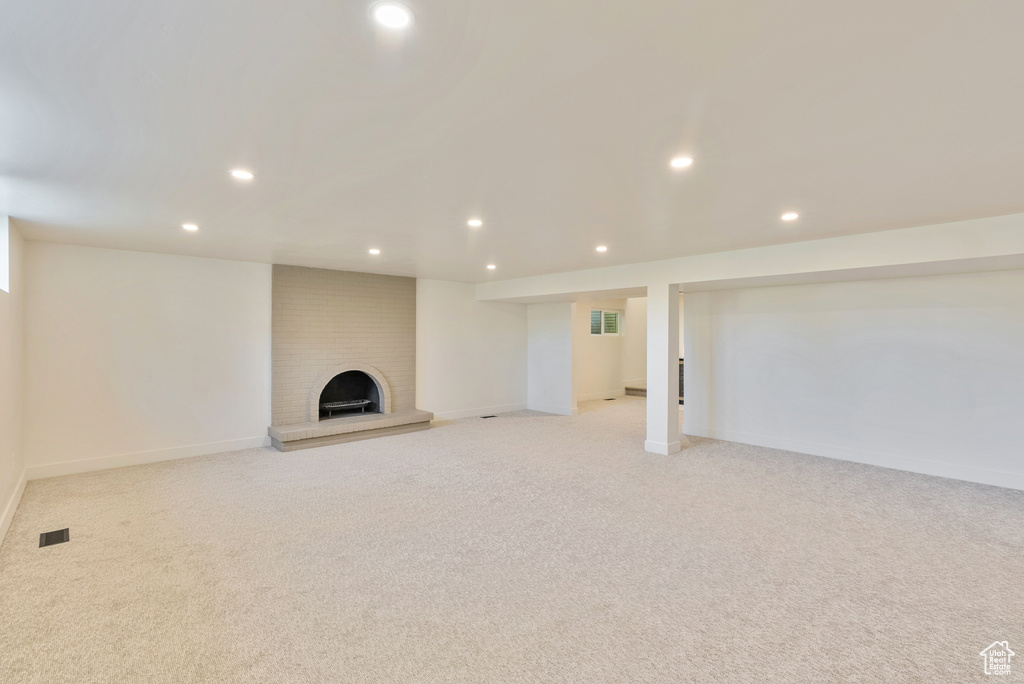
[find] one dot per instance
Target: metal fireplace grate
(332, 406)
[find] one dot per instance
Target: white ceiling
(554, 120)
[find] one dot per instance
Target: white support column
(662, 369)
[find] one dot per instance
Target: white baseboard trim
(121, 460)
(906, 463)
(663, 448)
(557, 410)
(477, 412)
(12, 506)
(610, 394)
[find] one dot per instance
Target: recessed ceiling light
(790, 216)
(602, 248)
(242, 174)
(491, 267)
(474, 223)
(392, 15)
(375, 251)
(190, 227)
(681, 162)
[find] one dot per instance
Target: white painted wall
(12, 317)
(634, 346)
(135, 357)
(5, 254)
(598, 359)
(919, 374)
(550, 385)
(635, 349)
(470, 355)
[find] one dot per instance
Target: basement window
(605, 322)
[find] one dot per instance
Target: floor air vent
(488, 416)
(51, 538)
(610, 399)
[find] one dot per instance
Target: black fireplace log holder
(333, 406)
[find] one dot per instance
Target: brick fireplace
(329, 328)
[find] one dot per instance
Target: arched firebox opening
(351, 392)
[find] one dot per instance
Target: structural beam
(994, 243)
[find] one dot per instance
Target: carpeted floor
(524, 548)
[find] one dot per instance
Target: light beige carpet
(523, 548)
